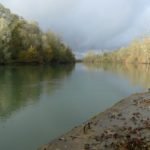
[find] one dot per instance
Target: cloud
(88, 24)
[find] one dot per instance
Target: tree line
(24, 42)
(137, 52)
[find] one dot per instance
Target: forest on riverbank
(22, 41)
(137, 52)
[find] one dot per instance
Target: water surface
(38, 104)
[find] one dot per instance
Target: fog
(88, 24)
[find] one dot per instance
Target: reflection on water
(22, 85)
(138, 74)
(40, 103)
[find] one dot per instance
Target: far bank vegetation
(137, 52)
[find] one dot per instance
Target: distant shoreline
(35, 63)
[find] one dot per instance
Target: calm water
(38, 104)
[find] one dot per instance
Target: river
(40, 103)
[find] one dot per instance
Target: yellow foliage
(31, 55)
(136, 52)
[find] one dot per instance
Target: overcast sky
(88, 24)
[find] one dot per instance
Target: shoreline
(124, 126)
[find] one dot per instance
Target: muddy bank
(125, 126)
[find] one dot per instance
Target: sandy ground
(125, 126)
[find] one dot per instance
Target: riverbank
(125, 126)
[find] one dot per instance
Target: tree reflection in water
(137, 74)
(22, 85)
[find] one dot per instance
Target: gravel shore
(125, 126)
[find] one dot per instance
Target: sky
(88, 24)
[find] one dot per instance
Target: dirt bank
(125, 126)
